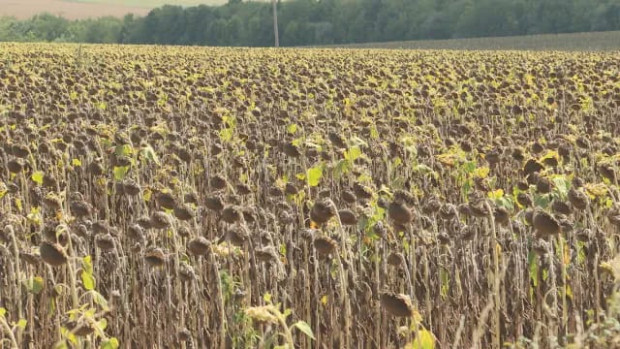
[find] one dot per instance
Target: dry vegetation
(220, 198)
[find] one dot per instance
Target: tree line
(324, 22)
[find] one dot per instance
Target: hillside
(594, 41)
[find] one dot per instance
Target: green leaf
(38, 284)
(496, 195)
(341, 168)
(37, 177)
(292, 128)
(314, 175)
(356, 141)
(470, 167)
(267, 297)
(35, 284)
(149, 154)
(305, 328)
(87, 264)
(422, 169)
(506, 203)
(562, 185)
(22, 323)
(444, 276)
(68, 335)
(123, 150)
(88, 280)
(226, 135)
(102, 324)
(542, 201)
(533, 268)
(99, 299)
(352, 153)
(51, 309)
(120, 172)
(481, 172)
(397, 162)
(111, 343)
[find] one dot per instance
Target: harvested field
(592, 41)
(23, 9)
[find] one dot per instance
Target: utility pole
(275, 22)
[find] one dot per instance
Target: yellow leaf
(76, 163)
(291, 129)
(609, 203)
(596, 190)
(314, 175)
(497, 194)
(18, 204)
(324, 300)
(267, 297)
(481, 172)
(551, 154)
(423, 340)
(612, 267)
(3, 190)
(446, 159)
(147, 195)
(567, 253)
(37, 177)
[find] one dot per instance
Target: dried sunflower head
(545, 224)
(263, 313)
(155, 257)
(325, 245)
(53, 253)
(322, 211)
(199, 246)
(399, 212)
(398, 305)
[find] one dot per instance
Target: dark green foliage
(324, 22)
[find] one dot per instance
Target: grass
(595, 41)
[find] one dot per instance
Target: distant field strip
(598, 41)
(79, 9)
(154, 3)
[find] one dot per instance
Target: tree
(318, 22)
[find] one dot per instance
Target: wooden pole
(275, 22)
